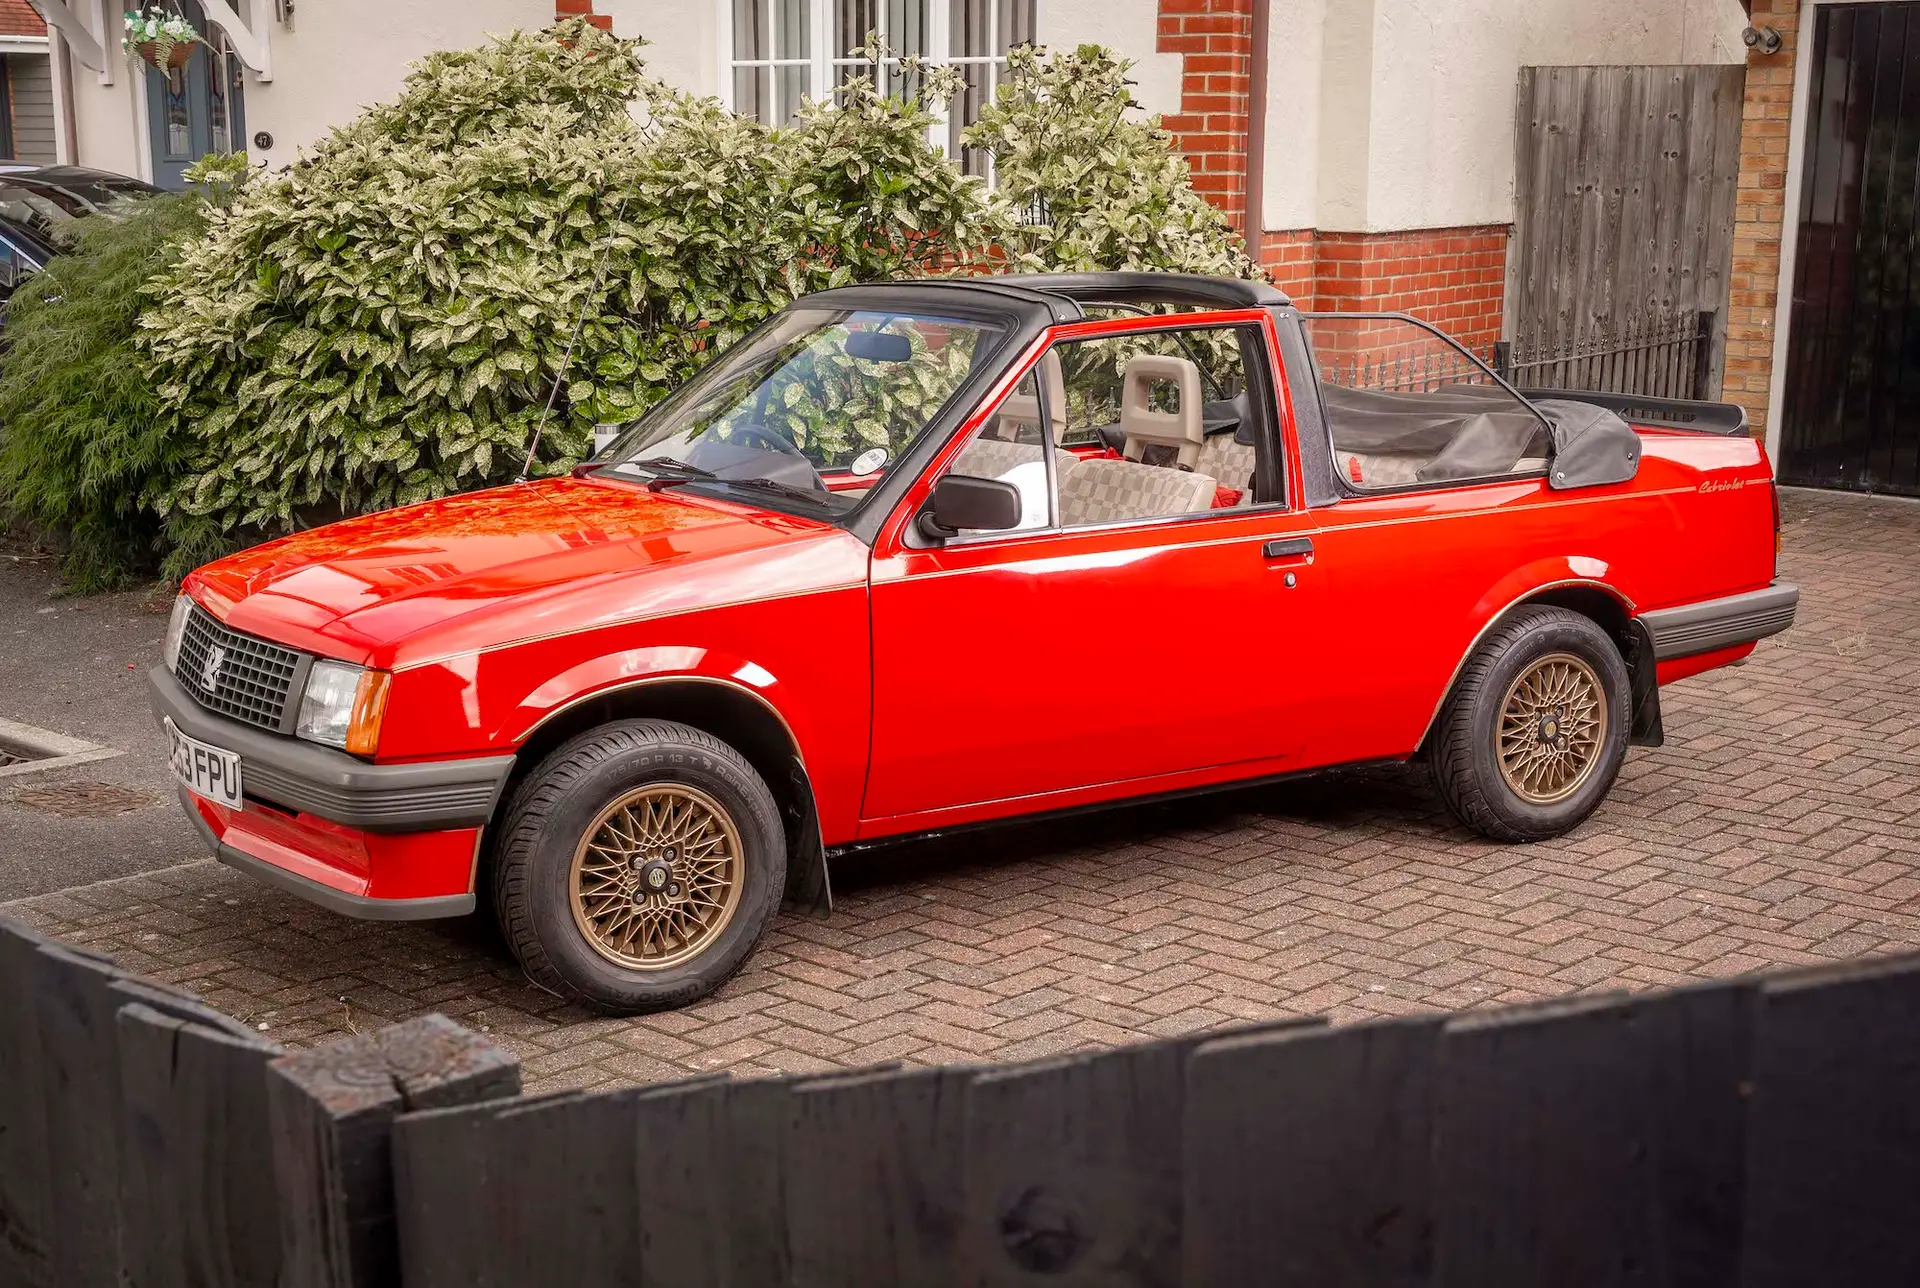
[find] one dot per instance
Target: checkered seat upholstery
(989, 458)
(1108, 491)
(1380, 469)
(1228, 461)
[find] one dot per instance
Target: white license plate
(204, 770)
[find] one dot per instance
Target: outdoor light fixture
(1763, 40)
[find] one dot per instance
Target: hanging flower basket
(165, 40)
(166, 58)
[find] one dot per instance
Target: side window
(1407, 406)
(1160, 423)
(11, 269)
(1012, 448)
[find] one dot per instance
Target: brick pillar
(563, 9)
(1215, 41)
(1754, 287)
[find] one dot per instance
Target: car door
(1100, 655)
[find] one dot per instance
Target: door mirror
(961, 503)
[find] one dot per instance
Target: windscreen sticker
(869, 462)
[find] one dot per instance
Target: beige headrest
(1182, 430)
(1018, 409)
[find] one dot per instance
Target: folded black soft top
(1476, 431)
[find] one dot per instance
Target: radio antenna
(566, 359)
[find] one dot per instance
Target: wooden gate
(1625, 180)
(1851, 417)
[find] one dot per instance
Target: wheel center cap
(1549, 729)
(655, 875)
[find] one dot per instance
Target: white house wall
(345, 55)
(1128, 26)
(683, 40)
(1411, 101)
(684, 49)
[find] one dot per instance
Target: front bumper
(310, 779)
(1715, 624)
(298, 864)
(388, 842)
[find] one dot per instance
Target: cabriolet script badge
(210, 669)
(1723, 485)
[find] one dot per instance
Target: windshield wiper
(813, 495)
(668, 472)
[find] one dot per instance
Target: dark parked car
(36, 200)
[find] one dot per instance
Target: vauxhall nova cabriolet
(926, 555)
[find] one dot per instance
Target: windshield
(40, 211)
(815, 408)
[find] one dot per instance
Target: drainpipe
(1253, 223)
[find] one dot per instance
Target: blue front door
(195, 109)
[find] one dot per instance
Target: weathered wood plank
(1307, 1157)
(682, 1133)
(80, 1086)
(519, 1191)
(26, 1237)
(1593, 1141)
(332, 1110)
(1073, 1169)
(1624, 191)
(197, 1198)
(1833, 1168)
(873, 1168)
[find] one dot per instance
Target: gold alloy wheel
(657, 876)
(1553, 725)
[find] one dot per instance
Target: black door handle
(1286, 547)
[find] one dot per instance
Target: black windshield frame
(1015, 319)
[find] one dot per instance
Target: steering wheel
(765, 439)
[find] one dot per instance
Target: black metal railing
(1656, 355)
(1402, 368)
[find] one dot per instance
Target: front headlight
(343, 706)
(176, 627)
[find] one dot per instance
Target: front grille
(234, 674)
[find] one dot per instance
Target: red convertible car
(927, 555)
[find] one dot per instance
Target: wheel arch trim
(1518, 601)
(807, 879)
(656, 681)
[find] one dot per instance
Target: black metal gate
(1852, 398)
(1660, 356)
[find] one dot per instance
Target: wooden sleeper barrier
(1752, 1132)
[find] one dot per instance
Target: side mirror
(961, 503)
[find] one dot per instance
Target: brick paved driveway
(1780, 825)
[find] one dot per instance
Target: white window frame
(824, 61)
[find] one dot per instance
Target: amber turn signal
(369, 709)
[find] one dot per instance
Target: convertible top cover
(1591, 445)
(1477, 431)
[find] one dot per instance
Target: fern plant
(81, 438)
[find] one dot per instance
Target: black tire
(1464, 750)
(547, 819)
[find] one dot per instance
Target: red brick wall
(582, 9)
(1292, 261)
(1760, 214)
(1454, 278)
(1214, 39)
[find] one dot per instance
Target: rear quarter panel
(1417, 577)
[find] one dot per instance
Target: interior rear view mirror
(961, 503)
(879, 346)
